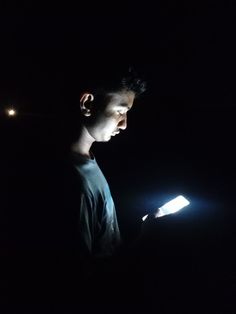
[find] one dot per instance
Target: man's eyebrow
(123, 104)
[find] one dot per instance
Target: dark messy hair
(132, 82)
(110, 80)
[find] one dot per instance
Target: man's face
(112, 118)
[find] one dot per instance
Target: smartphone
(170, 207)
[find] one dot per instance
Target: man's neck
(83, 145)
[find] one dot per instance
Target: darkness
(180, 136)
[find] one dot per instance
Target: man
(81, 217)
(103, 109)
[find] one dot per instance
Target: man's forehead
(123, 98)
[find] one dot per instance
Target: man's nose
(123, 123)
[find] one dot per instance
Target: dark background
(180, 135)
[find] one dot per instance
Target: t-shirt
(98, 232)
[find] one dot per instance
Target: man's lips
(115, 133)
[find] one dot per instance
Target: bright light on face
(171, 207)
(11, 112)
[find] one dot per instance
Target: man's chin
(104, 140)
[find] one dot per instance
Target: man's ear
(85, 103)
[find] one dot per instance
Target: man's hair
(101, 81)
(132, 82)
(128, 80)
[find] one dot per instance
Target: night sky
(180, 136)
